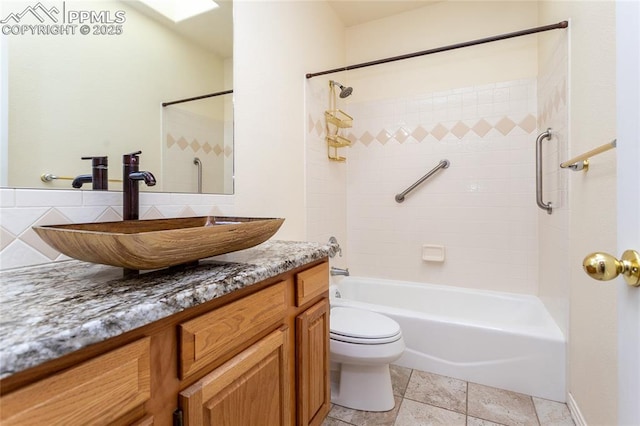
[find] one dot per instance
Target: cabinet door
(312, 344)
(249, 389)
(100, 391)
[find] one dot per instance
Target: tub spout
(339, 271)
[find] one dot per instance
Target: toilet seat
(358, 326)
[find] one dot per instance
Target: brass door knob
(604, 267)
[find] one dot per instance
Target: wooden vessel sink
(159, 243)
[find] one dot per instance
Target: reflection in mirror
(197, 144)
(100, 94)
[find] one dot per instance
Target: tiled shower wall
(481, 209)
(20, 209)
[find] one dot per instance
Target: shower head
(344, 91)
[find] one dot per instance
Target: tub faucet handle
(333, 241)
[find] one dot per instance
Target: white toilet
(362, 345)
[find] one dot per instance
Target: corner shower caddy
(336, 120)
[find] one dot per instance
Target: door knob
(604, 267)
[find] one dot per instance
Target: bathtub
(504, 340)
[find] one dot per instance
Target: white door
(628, 160)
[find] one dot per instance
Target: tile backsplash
(21, 209)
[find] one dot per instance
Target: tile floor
(429, 399)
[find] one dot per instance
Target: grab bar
(581, 162)
(539, 139)
(443, 164)
(198, 163)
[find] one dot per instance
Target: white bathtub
(497, 339)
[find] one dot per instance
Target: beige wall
(276, 44)
(436, 25)
(592, 198)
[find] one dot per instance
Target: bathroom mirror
(91, 82)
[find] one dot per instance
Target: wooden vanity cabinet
(283, 378)
(312, 344)
(259, 356)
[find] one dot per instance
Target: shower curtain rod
(210, 95)
(563, 24)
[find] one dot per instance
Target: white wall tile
(481, 208)
(47, 198)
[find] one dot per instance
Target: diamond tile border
(195, 145)
(503, 124)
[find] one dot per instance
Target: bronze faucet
(130, 190)
(99, 174)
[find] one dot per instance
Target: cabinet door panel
(249, 389)
(97, 392)
(314, 390)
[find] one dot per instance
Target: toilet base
(362, 387)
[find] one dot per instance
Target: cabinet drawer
(207, 337)
(311, 283)
(97, 392)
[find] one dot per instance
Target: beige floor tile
(551, 413)
(501, 406)
(399, 379)
(414, 413)
(441, 391)
(365, 418)
(474, 421)
(333, 422)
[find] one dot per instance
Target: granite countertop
(51, 310)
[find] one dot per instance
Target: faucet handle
(131, 158)
(97, 161)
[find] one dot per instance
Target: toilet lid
(358, 324)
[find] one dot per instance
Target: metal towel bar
(49, 177)
(443, 164)
(544, 206)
